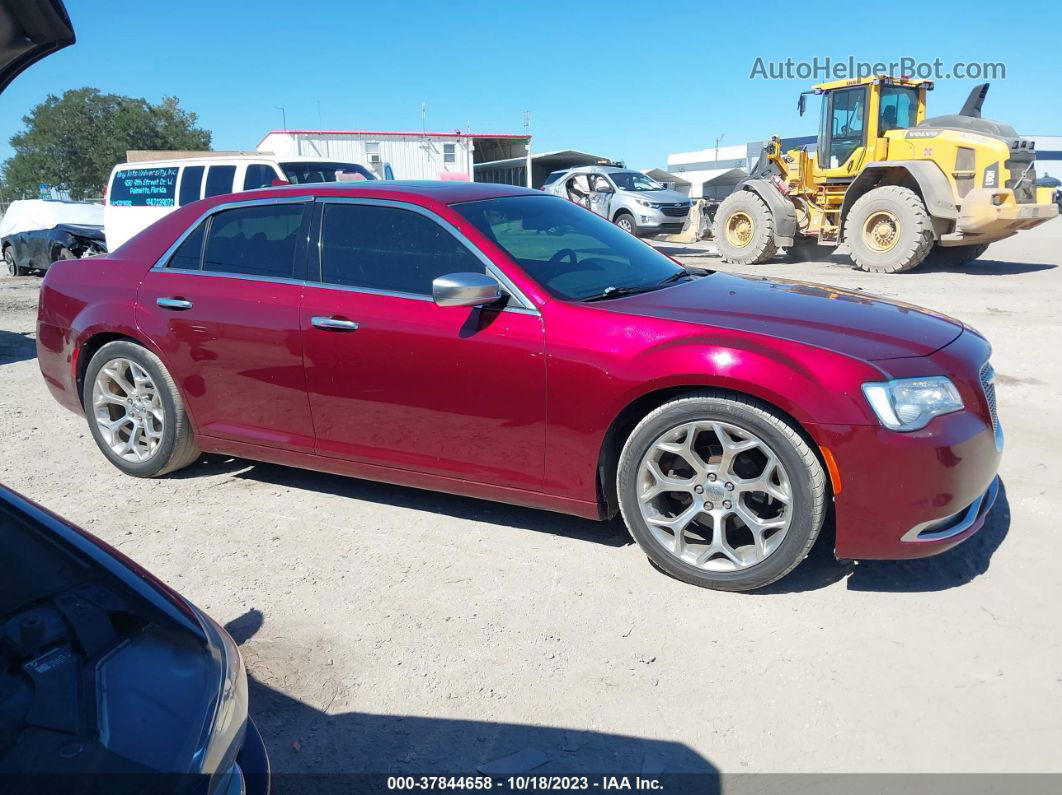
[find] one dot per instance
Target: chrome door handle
(334, 324)
(174, 303)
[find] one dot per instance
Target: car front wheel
(625, 221)
(721, 492)
(13, 269)
(135, 412)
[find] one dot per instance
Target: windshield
(634, 180)
(303, 173)
(573, 253)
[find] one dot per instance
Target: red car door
(223, 309)
(398, 381)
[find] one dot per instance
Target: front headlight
(907, 404)
(645, 203)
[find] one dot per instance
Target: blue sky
(633, 81)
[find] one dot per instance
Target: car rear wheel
(626, 222)
(135, 412)
(721, 492)
(9, 261)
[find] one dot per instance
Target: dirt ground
(389, 629)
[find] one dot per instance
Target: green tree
(73, 141)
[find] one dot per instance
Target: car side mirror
(465, 289)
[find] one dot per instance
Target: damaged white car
(34, 233)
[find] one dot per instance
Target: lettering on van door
(144, 187)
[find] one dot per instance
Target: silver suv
(632, 200)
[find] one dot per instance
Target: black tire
(736, 245)
(954, 256)
(9, 262)
(806, 478)
(913, 236)
(625, 221)
(177, 448)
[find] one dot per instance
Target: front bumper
(988, 214)
(651, 220)
(253, 763)
(959, 525)
(912, 495)
(896, 486)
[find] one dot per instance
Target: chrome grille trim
(988, 386)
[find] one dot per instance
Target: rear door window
(258, 175)
(259, 240)
(191, 184)
(189, 255)
(219, 180)
(143, 187)
(389, 249)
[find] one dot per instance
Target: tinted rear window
(256, 241)
(191, 184)
(219, 180)
(258, 175)
(189, 254)
(143, 187)
(301, 173)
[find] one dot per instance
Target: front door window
(847, 125)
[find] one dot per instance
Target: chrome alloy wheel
(715, 495)
(128, 410)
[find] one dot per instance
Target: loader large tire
(888, 230)
(744, 229)
(954, 256)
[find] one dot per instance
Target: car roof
(438, 191)
(591, 170)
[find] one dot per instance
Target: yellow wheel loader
(892, 185)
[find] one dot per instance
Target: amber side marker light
(831, 466)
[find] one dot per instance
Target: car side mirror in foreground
(465, 289)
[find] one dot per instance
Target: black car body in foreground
(109, 680)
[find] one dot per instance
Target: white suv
(632, 200)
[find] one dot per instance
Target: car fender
(924, 175)
(761, 371)
(785, 223)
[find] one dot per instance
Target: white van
(138, 194)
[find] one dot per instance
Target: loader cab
(856, 115)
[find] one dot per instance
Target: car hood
(844, 321)
(91, 231)
(30, 30)
(662, 196)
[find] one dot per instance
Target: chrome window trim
(243, 277)
(160, 263)
(523, 304)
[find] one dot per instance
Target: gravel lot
(389, 629)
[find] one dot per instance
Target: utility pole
(717, 140)
(283, 116)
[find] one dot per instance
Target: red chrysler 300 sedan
(501, 343)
